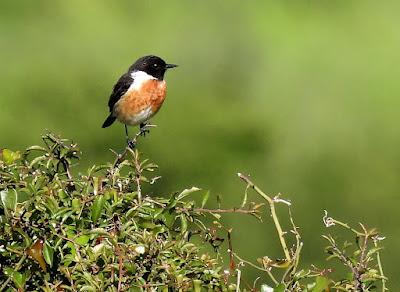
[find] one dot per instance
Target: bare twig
(231, 210)
(232, 265)
(329, 221)
(378, 259)
(257, 267)
(271, 203)
(239, 273)
(296, 252)
(119, 156)
(138, 174)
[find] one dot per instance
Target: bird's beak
(169, 66)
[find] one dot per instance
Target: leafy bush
(99, 232)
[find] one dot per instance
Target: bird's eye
(155, 65)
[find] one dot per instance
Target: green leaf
(280, 288)
(183, 223)
(197, 285)
(36, 147)
(48, 253)
(216, 215)
(9, 199)
(321, 284)
(187, 192)
(37, 160)
(76, 204)
(22, 196)
(172, 202)
(148, 225)
(18, 278)
(82, 240)
(205, 199)
(99, 232)
(97, 207)
(9, 157)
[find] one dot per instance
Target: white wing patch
(139, 78)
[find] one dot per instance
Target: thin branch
(231, 210)
(378, 258)
(232, 265)
(329, 221)
(138, 174)
(257, 267)
(271, 203)
(120, 266)
(119, 156)
(122, 155)
(239, 273)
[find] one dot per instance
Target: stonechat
(138, 94)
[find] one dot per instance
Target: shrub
(100, 232)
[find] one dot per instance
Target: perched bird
(138, 94)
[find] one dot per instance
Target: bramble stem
(271, 203)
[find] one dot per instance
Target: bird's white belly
(139, 117)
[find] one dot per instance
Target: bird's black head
(152, 65)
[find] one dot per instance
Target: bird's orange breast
(137, 106)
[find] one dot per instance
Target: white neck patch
(139, 78)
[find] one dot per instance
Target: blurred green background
(302, 95)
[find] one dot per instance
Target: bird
(138, 95)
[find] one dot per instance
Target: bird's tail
(108, 122)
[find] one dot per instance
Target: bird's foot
(131, 144)
(143, 129)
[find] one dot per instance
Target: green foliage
(98, 232)
(92, 232)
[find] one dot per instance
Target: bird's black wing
(119, 89)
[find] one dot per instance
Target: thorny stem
(271, 203)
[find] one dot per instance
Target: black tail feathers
(108, 122)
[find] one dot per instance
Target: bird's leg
(131, 143)
(143, 127)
